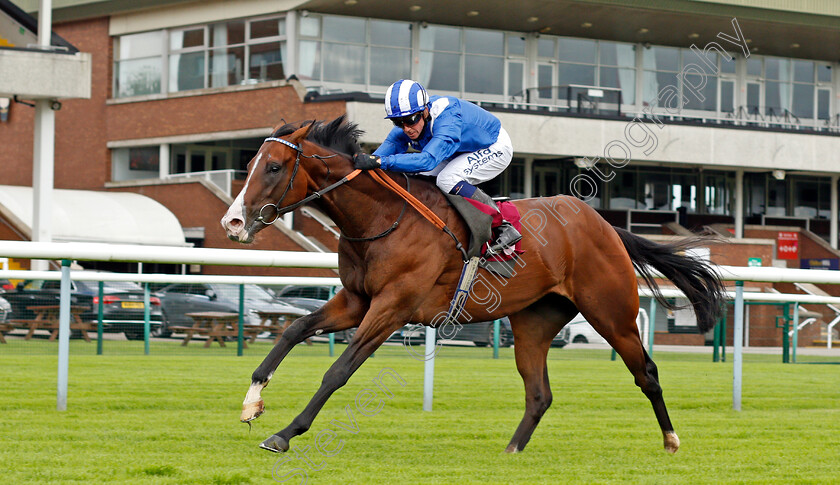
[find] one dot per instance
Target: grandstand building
(667, 116)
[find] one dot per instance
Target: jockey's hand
(363, 161)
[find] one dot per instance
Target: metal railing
(221, 178)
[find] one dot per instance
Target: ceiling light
(586, 25)
(748, 41)
(693, 35)
(642, 31)
(472, 13)
(532, 19)
(415, 8)
(545, 30)
(794, 46)
(350, 2)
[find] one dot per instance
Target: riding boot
(506, 234)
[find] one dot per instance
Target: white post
(43, 153)
(429, 369)
(63, 336)
(738, 333)
(739, 204)
(163, 161)
(651, 324)
(794, 340)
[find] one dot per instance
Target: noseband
(281, 210)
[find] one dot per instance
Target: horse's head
(274, 181)
(281, 174)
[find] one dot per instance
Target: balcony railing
(221, 178)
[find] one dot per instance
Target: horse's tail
(694, 277)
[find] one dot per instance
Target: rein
(377, 175)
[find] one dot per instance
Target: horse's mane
(339, 134)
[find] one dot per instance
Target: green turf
(172, 417)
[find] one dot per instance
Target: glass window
(717, 190)
(186, 71)
(440, 58)
(267, 28)
(823, 104)
(484, 42)
(344, 29)
(776, 197)
(228, 33)
(753, 66)
(439, 38)
(392, 34)
(545, 47)
(699, 88)
(310, 26)
(184, 39)
(226, 66)
(576, 74)
(684, 192)
(139, 64)
(727, 66)
(266, 61)
(823, 73)
(803, 71)
(515, 45)
(347, 63)
(803, 101)
(577, 50)
(134, 46)
(388, 65)
(476, 78)
(623, 193)
(139, 77)
(662, 59)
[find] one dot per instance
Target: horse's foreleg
(342, 312)
(374, 330)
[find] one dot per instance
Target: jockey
(459, 143)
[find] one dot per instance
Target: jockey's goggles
(409, 120)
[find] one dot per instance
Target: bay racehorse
(408, 271)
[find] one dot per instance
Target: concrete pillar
(528, 178)
(739, 203)
(833, 236)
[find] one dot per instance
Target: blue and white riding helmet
(405, 97)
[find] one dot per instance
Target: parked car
(581, 332)
(316, 292)
(123, 307)
(6, 285)
(178, 299)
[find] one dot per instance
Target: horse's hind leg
(342, 312)
(533, 330)
(617, 324)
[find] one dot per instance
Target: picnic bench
(213, 325)
(275, 322)
(47, 318)
(5, 327)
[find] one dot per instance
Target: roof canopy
(91, 216)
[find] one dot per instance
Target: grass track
(173, 419)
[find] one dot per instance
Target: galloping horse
(573, 261)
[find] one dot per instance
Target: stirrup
(508, 236)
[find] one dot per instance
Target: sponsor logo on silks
(478, 161)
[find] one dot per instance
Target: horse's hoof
(672, 442)
(252, 411)
(275, 444)
(512, 449)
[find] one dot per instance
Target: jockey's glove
(363, 161)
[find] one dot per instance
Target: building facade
(699, 113)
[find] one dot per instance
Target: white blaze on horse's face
(234, 220)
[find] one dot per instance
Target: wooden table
(47, 318)
(213, 325)
(274, 321)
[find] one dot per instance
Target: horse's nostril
(235, 224)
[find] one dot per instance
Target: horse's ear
(302, 132)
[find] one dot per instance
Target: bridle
(319, 193)
(377, 174)
(282, 210)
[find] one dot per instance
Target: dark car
(6, 285)
(178, 299)
(123, 309)
(479, 333)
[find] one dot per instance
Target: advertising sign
(787, 245)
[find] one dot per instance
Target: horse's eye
(273, 167)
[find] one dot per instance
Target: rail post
(738, 341)
(99, 318)
(147, 314)
(240, 334)
(63, 336)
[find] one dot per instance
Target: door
(547, 180)
(755, 98)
